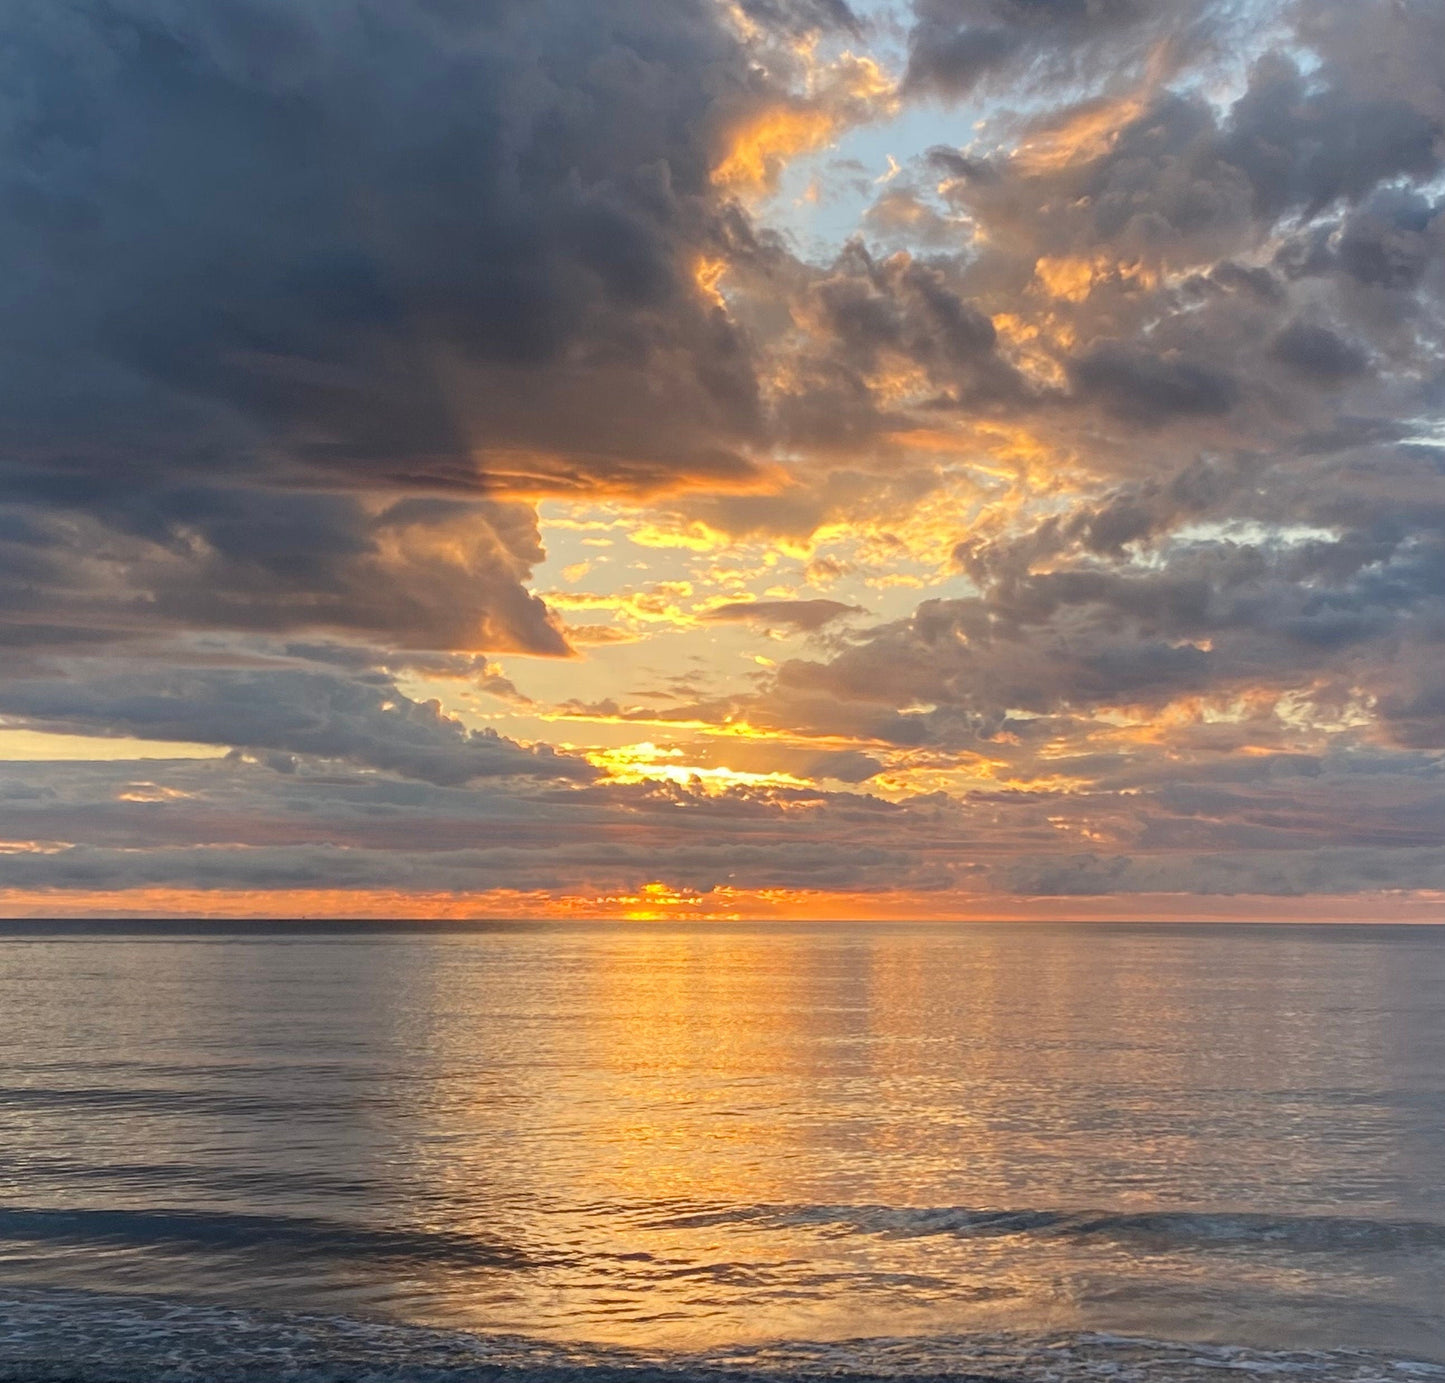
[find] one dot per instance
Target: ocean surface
(1016, 1151)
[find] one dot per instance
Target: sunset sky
(975, 458)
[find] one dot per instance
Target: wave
(1164, 1229)
(108, 1099)
(295, 1237)
(220, 1182)
(75, 1337)
(298, 1237)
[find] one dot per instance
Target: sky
(722, 458)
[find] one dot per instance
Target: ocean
(340, 1152)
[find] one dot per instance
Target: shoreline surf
(79, 1337)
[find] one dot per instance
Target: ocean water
(1035, 1152)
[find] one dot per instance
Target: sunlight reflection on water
(670, 1137)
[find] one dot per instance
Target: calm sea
(1024, 1151)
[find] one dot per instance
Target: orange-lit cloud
(761, 147)
(845, 91)
(1085, 134)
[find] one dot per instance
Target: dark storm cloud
(1309, 142)
(330, 225)
(263, 257)
(903, 306)
(1390, 241)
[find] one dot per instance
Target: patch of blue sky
(823, 197)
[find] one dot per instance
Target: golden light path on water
(683, 1136)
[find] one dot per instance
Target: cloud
(235, 826)
(803, 615)
(309, 308)
(345, 249)
(956, 44)
(240, 825)
(1295, 875)
(803, 16)
(1212, 616)
(362, 720)
(1143, 386)
(1318, 352)
(297, 292)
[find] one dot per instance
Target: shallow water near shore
(805, 1149)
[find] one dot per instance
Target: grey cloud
(902, 305)
(1176, 180)
(242, 826)
(326, 246)
(1289, 874)
(955, 44)
(1258, 281)
(266, 258)
(445, 575)
(1227, 351)
(1318, 352)
(362, 720)
(942, 159)
(1213, 615)
(821, 865)
(877, 313)
(1413, 700)
(1387, 242)
(806, 615)
(803, 16)
(1135, 384)
(846, 766)
(1308, 143)
(236, 825)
